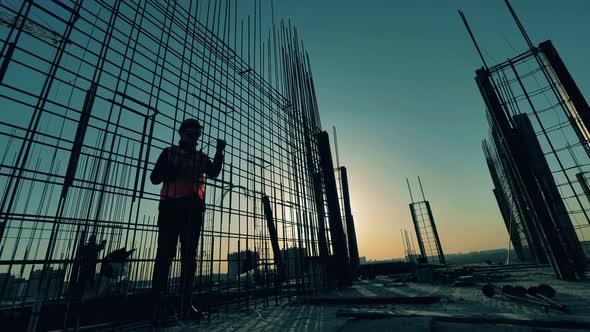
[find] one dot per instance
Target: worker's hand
(220, 145)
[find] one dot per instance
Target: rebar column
(510, 225)
(274, 240)
(350, 229)
(563, 246)
(423, 252)
(503, 137)
(584, 184)
(319, 203)
(441, 255)
(340, 260)
(577, 104)
(504, 206)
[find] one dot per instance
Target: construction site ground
(364, 307)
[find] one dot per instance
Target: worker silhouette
(181, 170)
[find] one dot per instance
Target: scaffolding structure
(538, 153)
(92, 91)
(425, 228)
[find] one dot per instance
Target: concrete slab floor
(455, 301)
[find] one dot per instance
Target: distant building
(241, 262)
(7, 281)
(295, 262)
(20, 288)
(55, 283)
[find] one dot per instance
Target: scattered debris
(464, 281)
(490, 291)
(520, 293)
(395, 284)
(498, 319)
(468, 276)
(373, 300)
(546, 292)
(407, 277)
(543, 289)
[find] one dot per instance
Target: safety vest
(185, 187)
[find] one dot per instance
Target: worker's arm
(214, 167)
(164, 170)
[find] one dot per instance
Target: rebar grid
(528, 85)
(86, 114)
(507, 200)
(426, 235)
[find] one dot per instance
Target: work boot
(164, 313)
(158, 314)
(192, 313)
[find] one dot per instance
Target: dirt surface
(466, 301)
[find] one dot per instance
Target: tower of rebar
(538, 153)
(425, 228)
(92, 91)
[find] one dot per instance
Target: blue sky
(396, 79)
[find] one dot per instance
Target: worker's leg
(189, 239)
(167, 238)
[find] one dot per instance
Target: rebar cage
(92, 91)
(525, 88)
(539, 155)
(426, 233)
(508, 202)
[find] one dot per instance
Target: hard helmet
(189, 123)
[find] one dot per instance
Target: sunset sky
(396, 79)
